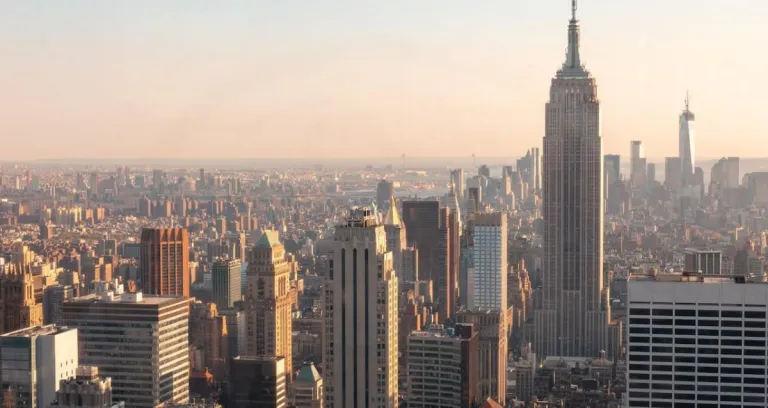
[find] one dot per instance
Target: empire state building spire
(572, 65)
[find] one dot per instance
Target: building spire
(572, 60)
(687, 100)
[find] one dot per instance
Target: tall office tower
(258, 382)
(268, 301)
(572, 320)
(165, 261)
(489, 277)
(140, 332)
(707, 262)
(385, 192)
(687, 146)
(447, 263)
(180, 207)
(396, 238)
(93, 184)
(158, 179)
(33, 360)
(86, 389)
(226, 276)
(491, 352)
(697, 340)
(422, 226)
(18, 307)
(637, 164)
(725, 173)
(612, 166)
(361, 327)
(53, 297)
(450, 352)
(120, 176)
(672, 176)
(536, 154)
(202, 178)
(457, 180)
(651, 177)
(484, 171)
(308, 388)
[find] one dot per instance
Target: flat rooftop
(38, 331)
(118, 299)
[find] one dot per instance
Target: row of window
(700, 360)
(678, 378)
(692, 322)
(636, 385)
(748, 314)
(696, 369)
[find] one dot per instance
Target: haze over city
(264, 79)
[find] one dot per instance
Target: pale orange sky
(368, 78)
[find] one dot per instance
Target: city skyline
(82, 76)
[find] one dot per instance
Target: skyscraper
(147, 339)
(612, 167)
(258, 382)
(396, 240)
(165, 261)
(490, 262)
(457, 179)
(33, 360)
(637, 164)
(385, 190)
(361, 327)
(268, 300)
(226, 274)
(672, 178)
(450, 352)
(572, 318)
(687, 146)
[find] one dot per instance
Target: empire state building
(572, 318)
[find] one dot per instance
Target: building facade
(361, 317)
(33, 360)
(148, 339)
(696, 340)
(572, 319)
(257, 382)
(269, 300)
(164, 261)
(443, 367)
(226, 275)
(489, 275)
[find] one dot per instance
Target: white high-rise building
(572, 319)
(637, 163)
(687, 146)
(489, 275)
(361, 317)
(33, 361)
(696, 341)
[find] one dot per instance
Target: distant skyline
(264, 79)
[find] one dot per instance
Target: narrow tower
(572, 318)
(687, 145)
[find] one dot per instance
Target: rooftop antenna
(687, 99)
(573, 10)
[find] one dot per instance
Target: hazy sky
(340, 78)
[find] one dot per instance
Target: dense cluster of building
(556, 282)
